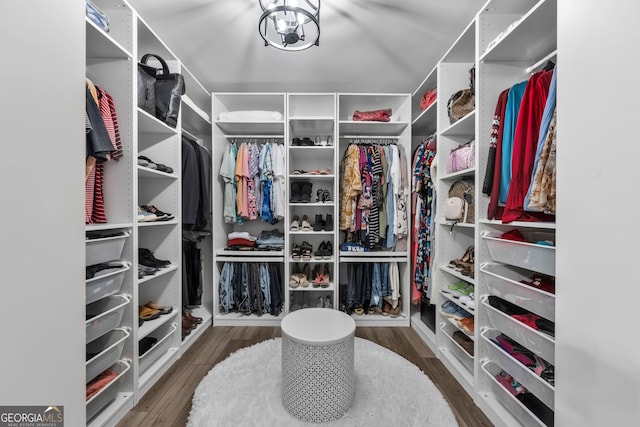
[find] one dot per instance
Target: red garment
(528, 319)
(525, 145)
(493, 212)
(110, 118)
(514, 235)
(546, 284)
(100, 382)
(240, 242)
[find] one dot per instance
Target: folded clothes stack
(241, 241)
(271, 240)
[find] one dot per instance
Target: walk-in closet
(437, 212)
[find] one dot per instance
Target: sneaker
(466, 291)
(451, 310)
(455, 287)
(468, 301)
(144, 216)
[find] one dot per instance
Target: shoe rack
(502, 42)
(312, 185)
(396, 131)
(111, 59)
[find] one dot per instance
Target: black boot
(305, 191)
(295, 192)
(328, 224)
(318, 223)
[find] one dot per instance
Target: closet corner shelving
(237, 131)
(503, 41)
(113, 298)
(396, 131)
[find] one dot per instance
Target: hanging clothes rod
(192, 136)
(368, 137)
(542, 61)
(254, 136)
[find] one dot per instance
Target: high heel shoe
(305, 276)
(325, 280)
(305, 250)
(317, 276)
(465, 261)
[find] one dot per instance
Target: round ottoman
(318, 379)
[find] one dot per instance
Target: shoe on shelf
(295, 223)
(306, 250)
(453, 311)
(305, 276)
(465, 342)
(295, 192)
(153, 165)
(144, 216)
(305, 225)
(328, 250)
(161, 216)
(467, 325)
(330, 140)
(318, 224)
(305, 191)
(320, 302)
(319, 254)
(328, 223)
(466, 291)
(468, 301)
(317, 276)
(147, 258)
(455, 287)
(296, 252)
(325, 277)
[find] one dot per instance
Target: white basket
(105, 315)
(456, 349)
(509, 401)
(504, 281)
(537, 342)
(108, 348)
(109, 392)
(155, 352)
(525, 376)
(531, 256)
(103, 286)
(105, 249)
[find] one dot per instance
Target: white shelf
(161, 272)
(447, 223)
(355, 128)
(157, 223)
(311, 288)
(150, 124)
(520, 224)
(458, 175)
(151, 325)
(192, 119)
(101, 45)
(457, 274)
(463, 128)
(153, 374)
(275, 128)
(531, 39)
(457, 302)
(145, 172)
(235, 319)
(425, 123)
(250, 254)
(107, 226)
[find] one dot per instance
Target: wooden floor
(168, 403)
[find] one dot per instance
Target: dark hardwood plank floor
(168, 403)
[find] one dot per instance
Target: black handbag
(146, 88)
(169, 88)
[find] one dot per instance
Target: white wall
(598, 293)
(41, 205)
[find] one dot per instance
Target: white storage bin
(537, 342)
(155, 352)
(107, 350)
(504, 281)
(102, 286)
(540, 258)
(109, 392)
(104, 315)
(105, 249)
(460, 353)
(509, 401)
(532, 382)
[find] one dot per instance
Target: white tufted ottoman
(318, 380)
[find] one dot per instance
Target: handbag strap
(165, 67)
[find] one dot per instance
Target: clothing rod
(192, 136)
(542, 61)
(395, 138)
(254, 136)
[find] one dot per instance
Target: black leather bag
(169, 88)
(146, 88)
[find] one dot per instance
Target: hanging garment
(512, 111)
(497, 132)
(227, 172)
(543, 190)
(525, 146)
(350, 186)
(190, 184)
(544, 141)
(192, 272)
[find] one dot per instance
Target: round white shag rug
(244, 390)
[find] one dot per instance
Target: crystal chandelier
(290, 24)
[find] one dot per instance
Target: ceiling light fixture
(290, 24)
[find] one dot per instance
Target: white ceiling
(365, 45)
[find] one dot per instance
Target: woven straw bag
(465, 190)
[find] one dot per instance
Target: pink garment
(527, 319)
